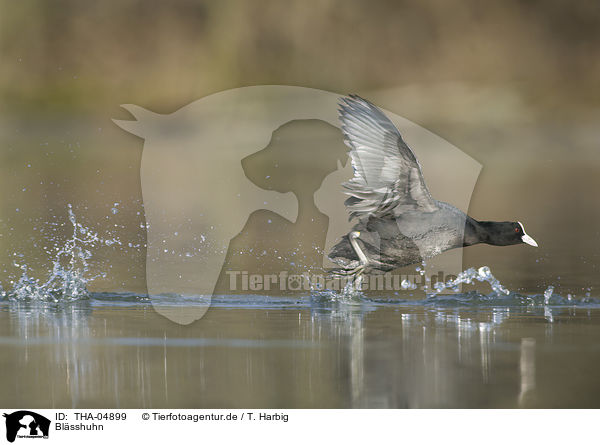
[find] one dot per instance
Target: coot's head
(506, 234)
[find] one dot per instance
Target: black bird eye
(517, 229)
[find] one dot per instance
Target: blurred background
(514, 84)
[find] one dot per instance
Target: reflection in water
(297, 353)
(31, 321)
(346, 323)
(527, 366)
(357, 358)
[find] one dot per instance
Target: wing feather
(387, 176)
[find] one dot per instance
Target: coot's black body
(399, 223)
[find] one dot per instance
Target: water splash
(70, 273)
(469, 276)
(548, 294)
(500, 293)
(408, 285)
(437, 294)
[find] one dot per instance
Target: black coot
(399, 222)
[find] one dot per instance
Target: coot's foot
(348, 272)
(353, 270)
(355, 275)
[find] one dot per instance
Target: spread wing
(387, 176)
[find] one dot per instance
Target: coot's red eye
(517, 229)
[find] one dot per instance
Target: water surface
(114, 350)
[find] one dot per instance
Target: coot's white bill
(526, 238)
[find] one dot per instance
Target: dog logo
(26, 424)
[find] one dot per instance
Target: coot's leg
(354, 272)
(364, 261)
(353, 236)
